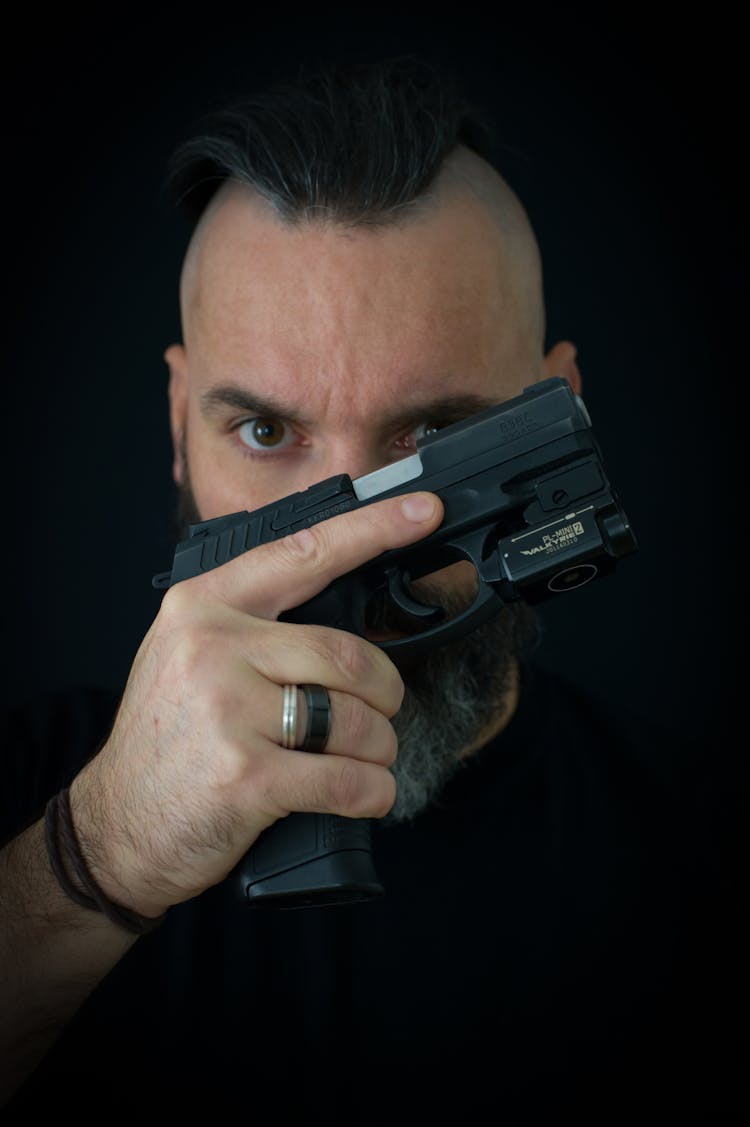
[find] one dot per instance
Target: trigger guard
(487, 604)
(404, 601)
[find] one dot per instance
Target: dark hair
(359, 142)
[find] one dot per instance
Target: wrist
(78, 875)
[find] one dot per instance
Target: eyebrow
(215, 399)
(231, 395)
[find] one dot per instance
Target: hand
(193, 770)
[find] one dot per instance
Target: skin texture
(354, 334)
(348, 339)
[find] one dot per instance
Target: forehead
(437, 297)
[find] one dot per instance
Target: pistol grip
(309, 860)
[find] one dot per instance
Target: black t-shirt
(559, 935)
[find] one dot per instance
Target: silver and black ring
(318, 723)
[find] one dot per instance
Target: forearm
(52, 955)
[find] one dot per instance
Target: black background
(623, 137)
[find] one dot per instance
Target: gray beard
(450, 696)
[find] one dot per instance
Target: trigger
(401, 597)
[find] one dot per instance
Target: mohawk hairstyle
(357, 144)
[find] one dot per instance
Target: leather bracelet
(65, 857)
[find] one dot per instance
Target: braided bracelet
(64, 852)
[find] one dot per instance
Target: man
(358, 272)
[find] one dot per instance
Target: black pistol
(527, 502)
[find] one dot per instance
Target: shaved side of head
(465, 171)
(465, 177)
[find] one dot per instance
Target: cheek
(222, 481)
(216, 485)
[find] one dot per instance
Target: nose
(355, 457)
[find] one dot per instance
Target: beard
(451, 696)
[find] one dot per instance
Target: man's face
(344, 342)
(315, 350)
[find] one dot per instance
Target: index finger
(274, 577)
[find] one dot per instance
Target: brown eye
(263, 434)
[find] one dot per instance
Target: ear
(561, 361)
(176, 359)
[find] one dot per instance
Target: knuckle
(396, 691)
(362, 727)
(189, 603)
(183, 659)
(387, 798)
(175, 603)
(229, 766)
(308, 547)
(362, 790)
(354, 720)
(389, 746)
(192, 652)
(205, 677)
(351, 656)
(345, 783)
